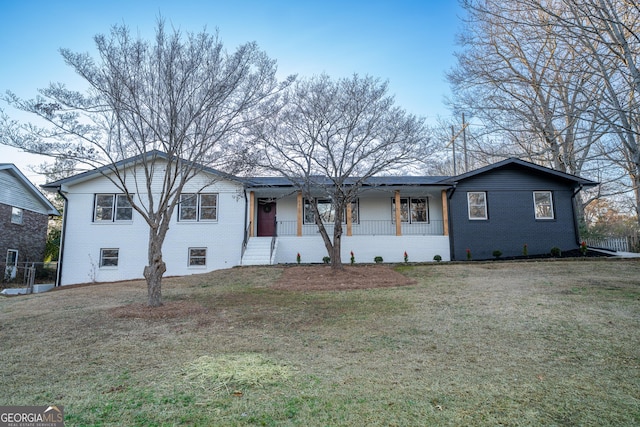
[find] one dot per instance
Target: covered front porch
(383, 221)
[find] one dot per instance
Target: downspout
(62, 238)
(450, 192)
(246, 232)
(576, 226)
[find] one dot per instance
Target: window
(109, 257)
(197, 257)
(328, 212)
(198, 207)
(11, 268)
(104, 208)
(543, 202)
(477, 203)
(16, 215)
(411, 209)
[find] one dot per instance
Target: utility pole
(453, 146)
(464, 142)
(455, 135)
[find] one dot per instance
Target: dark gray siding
(512, 222)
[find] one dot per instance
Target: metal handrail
(273, 238)
(245, 241)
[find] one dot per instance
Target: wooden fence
(617, 244)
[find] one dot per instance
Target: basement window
(197, 257)
(109, 257)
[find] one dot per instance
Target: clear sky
(410, 43)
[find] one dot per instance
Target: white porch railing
(368, 228)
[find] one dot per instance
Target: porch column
(252, 212)
(398, 215)
(349, 219)
(445, 214)
(300, 208)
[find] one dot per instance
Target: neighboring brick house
(24, 218)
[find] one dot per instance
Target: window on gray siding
(198, 207)
(16, 215)
(112, 207)
(197, 257)
(543, 202)
(477, 204)
(109, 257)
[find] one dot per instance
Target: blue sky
(408, 43)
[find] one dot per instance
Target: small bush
(326, 259)
(525, 250)
(497, 254)
(378, 259)
(556, 252)
(437, 258)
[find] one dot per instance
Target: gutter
(450, 192)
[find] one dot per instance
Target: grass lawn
(497, 343)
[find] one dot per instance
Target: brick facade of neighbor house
(28, 238)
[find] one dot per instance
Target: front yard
(496, 343)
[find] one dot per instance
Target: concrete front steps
(258, 251)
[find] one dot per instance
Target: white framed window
(198, 207)
(197, 257)
(112, 207)
(328, 212)
(477, 205)
(109, 257)
(17, 215)
(11, 267)
(543, 204)
(412, 210)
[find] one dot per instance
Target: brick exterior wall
(29, 238)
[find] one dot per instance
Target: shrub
(583, 248)
(525, 250)
(437, 258)
(353, 258)
(326, 259)
(497, 254)
(556, 252)
(378, 259)
(468, 254)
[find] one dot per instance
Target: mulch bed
(324, 278)
(169, 310)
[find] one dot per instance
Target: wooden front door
(266, 218)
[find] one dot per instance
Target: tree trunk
(336, 255)
(154, 271)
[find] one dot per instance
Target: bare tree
(609, 31)
(528, 85)
(155, 114)
(329, 137)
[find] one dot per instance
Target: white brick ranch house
(225, 221)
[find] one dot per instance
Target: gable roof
(29, 188)
(122, 164)
(512, 161)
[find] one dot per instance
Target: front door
(266, 217)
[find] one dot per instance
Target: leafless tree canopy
(181, 94)
(555, 81)
(330, 136)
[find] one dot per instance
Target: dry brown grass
(497, 343)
